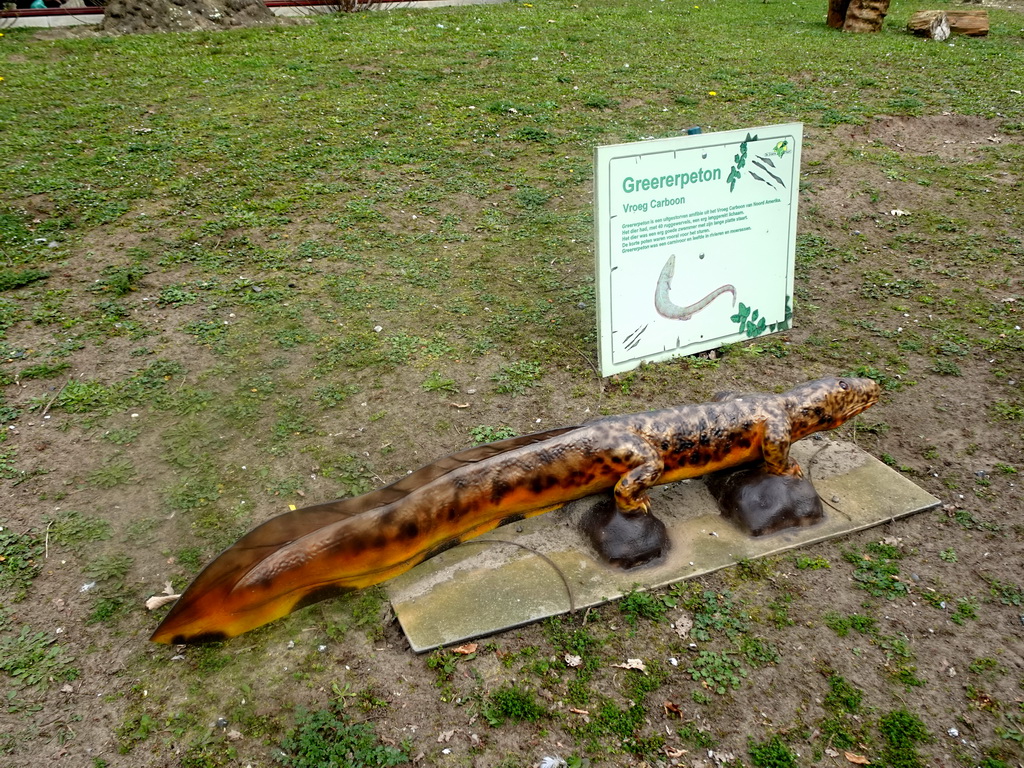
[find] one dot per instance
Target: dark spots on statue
(410, 530)
(380, 541)
(541, 483)
(698, 458)
(685, 444)
(451, 514)
(500, 491)
(741, 442)
(444, 546)
(200, 639)
(705, 439)
(511, 519)
(320, 594)
(578, 478)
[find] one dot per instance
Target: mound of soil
(125, 17)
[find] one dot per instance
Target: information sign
(695, 241)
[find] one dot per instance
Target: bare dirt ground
(962, 675)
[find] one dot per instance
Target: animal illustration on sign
(667, 308)
(311, 554)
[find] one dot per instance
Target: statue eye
(843, 384)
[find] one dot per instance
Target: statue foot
(626, 541)
(761, 503)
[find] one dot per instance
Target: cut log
(971, 23)
(929, 23)
(933, 24)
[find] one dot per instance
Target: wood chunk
(972, 23)
(933, 24)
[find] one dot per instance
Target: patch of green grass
(112, 474)
(771, 753)
(887, 382)
(983, 665)
(119, 281)
(1004, 410)
(176, 296)
(122, 436)
(969, 521)
(808, 563)
(842, 696)
(80, 396)
(71, 528)
(435, 382)
(20, 561)
(485, 434)
(134, 730)
(34, 659)
(44, 370)
(333, 395)
(754, 570)
(637, 605)
(876, 570)
(18, 278)
(516, 378)
(581, 642)
(966, 610)
(512, 702)
(758, 652)
(902, 731)
(109, 567)
(1005, 592)
(714, 613)
(443, 663)
(717, 672)
(841, 625)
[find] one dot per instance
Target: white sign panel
(695, 241)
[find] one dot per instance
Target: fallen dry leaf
(576, 711)
(573, 661)
(466, 649)
(157, 600)
(671, 708)
(683, 625)
(673, 752)
(856, 759)
(445, 736)
(637, 664)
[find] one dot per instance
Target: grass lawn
(269, 267)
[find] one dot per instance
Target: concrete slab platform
(488, 585)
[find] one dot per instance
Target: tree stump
(857, 15)
(124, 17)
(928, 23)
